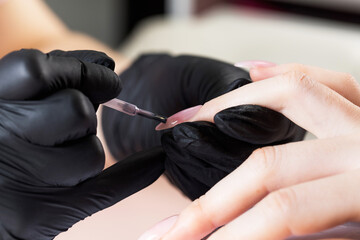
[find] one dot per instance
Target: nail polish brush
(132, 110)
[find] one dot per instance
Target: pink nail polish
(178, 118)
(252, 64)
(159, 230)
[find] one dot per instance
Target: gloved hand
(200, 154)
(50, 157)
(165, 85)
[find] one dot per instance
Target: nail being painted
(178, 118)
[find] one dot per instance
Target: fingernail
(178, 118)
(159, 230)
(252, 64)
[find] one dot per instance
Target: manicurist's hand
(290, 189)
(165, 84)
(51, 161)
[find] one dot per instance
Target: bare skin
(291, 189)
(31, 24)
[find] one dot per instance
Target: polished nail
(178, 118)
(252, 64)
(159, 230)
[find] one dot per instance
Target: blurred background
(321, 32)
(325, 33)
(113, 20)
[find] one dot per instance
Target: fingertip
(89, 56)
(100, 83)
(258, 74)
(179, 117)
(255, 74)
(254, 124)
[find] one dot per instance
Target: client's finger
(306, 102)
(343, 83)
(302, 209)
(266, 170)
(349, 230)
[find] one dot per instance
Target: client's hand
(198, 154)
(290, 189)
(50, 157)
(165, 85)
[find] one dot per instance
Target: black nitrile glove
(50, 157)
(199, 154)
(165, 85)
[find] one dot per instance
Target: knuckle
(349, 81)
(298, 82)
(282, 202)
(297, 67)
(34, 62)
(205, 215)
(36, 70)
(264, 160)
(82, 110)
(206, 104)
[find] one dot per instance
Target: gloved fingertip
(89, 56)
(190, 130)
(254, 124)
(242, 81)
(100, 84)
(238, 83)
(240, 123)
